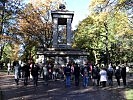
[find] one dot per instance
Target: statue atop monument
(62, 6)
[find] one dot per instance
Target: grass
(129, 94)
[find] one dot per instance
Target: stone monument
(62, 37)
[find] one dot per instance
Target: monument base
(52, 52)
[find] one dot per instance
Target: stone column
(69, 33)
(55, 32)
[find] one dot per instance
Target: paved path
(55, 91)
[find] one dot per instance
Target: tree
(102, 28)
(34, 27)
(10, 52)
(9, 10)
(20, 28)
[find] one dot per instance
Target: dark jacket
(67, 71)
(123, 72)
(117, 73)
(34, 71)
(26, 71)
(77, 70)
(95, 73)
(110, 73)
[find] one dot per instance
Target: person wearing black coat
(76, 74)
(123, 74)
(26, 73)
(34, 73)
(96, 75)
(118, 75)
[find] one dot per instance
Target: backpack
(118, 73)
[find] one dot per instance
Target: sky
(80, 8)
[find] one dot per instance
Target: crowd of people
(87, 74)
(95, 74)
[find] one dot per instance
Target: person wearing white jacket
(103, 77)
(8, 68)
(16, 72)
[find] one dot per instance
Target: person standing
(98, 74)
(16, 71)
(67, 72)
(45, 73)
(123, 74)
(85, 74)
(34, 73)
(118, 75)
(54, 74)
(76, 74)
(8, 68)
(95, 75)
(103, 77)
(26, 73)
(50, 70)
(110, 72)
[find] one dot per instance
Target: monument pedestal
(52, 52)
(63, 54)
